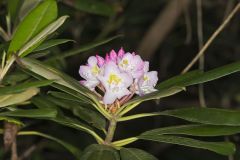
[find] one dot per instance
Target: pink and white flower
(132, 64)
(147, 83)
(90, 72)
(117, 75)
(115, 82)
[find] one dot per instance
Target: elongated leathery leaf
(224, 148)
(21, 87)
(11, 99)
(31, 113)
(100, 152)
(197, 77)
(83, 48)
(33, 23)
(195, 130)
(51, 43)
(211, 116)
(135, 154)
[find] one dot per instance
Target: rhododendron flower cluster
(119, 76)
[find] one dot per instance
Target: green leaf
(155, 95)
(26, 7)
(83, 48)
(85, 113)
(224, 148)
(13, 7)
(31, 113)
(100, 152)
(50, 73)
(22, 87)
(73, 123)
(179, 79)
(40, 102)
(14, 77)
(135, 154)
(51, 43)
(79, 96)
(40, 37)
(63, 82)
(63, 119)
(196, 77)
(95, 7)
(211, 116)
(195, 130)
(66, 96)
(11, 120)
(72, 149)
(11, 99)
(33, 23)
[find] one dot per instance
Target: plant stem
(201, 94)
(213, 36)
(9, 138)
(111, 130)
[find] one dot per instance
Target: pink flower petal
(113, 55)
(100, 60)
(92, 61)
(121, 52)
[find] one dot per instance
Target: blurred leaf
(85, 113)
(196, 77)
(14, 77)
(100, 152)
(72, 92)
(63, 119)
(51, 43)
(135, 154)
(10, 99)
(83, 48)
(13, 7)
(40, 102)
(156, 95)
(26, 7)
(94, 6)
(74, 150)
(73, 123)
(23, 86)
(224, 148)
(195, 130)
(31, 113)
(40, 37)
(11, 120)
(211, 116)
(65, 96)
(60, 78)
(33, 23)
(179, 79)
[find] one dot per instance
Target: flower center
(145, 78)
(95, 70)
(114, 79)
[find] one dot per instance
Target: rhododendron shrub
(110, 87)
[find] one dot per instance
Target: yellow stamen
(145, 78)
(95, 70)
(114, 79)
(125, 61)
